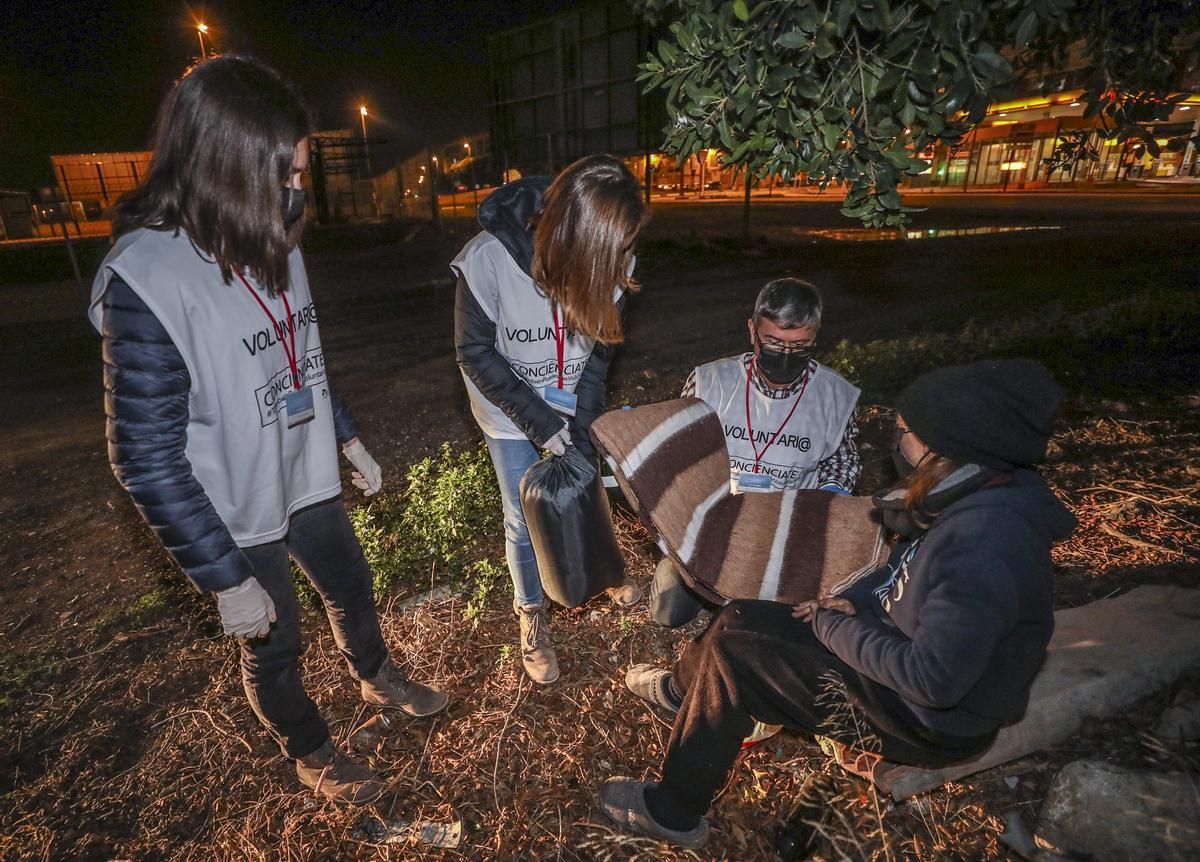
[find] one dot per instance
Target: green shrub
(435, 525)
(1147, 344)
(484, 575)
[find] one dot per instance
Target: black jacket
(506, 215)
(961, 630)
(146, 392)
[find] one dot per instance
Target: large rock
(1103, 657)
(1116, 815)
(1180, 722)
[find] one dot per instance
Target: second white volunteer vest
(813, 433)
(254, 469)
(524, 329)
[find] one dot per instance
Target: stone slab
(1112, 814)
(1103, 657)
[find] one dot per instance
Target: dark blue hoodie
(506, 214)
(958, 623)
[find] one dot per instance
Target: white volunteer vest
(254, 469)
(812, 434)
(524, 329)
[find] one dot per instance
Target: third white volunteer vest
(524, 329)
(254, 469)
(812, 434)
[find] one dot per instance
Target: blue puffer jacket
(146, 391)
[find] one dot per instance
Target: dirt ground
(125, 733)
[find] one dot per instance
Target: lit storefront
(1009, 148)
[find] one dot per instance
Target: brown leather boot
(537, 650)
(393, 689)
(335, 775)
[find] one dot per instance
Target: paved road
(772, 215)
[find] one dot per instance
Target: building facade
(565, 87)
(94, 181)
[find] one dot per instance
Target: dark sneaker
(625, 594)
(334, 775)
(653, 685)
(624, 801)
(392, 689)
(537, 650)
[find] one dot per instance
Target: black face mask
(782, 369)
(294, 201)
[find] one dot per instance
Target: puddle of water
(862, 234)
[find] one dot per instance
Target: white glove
(246, 610)
(559, 442)
(368, 477)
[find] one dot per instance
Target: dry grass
(144, 747)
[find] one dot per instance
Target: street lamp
(362, 116)
(201, 29)
(474, 181)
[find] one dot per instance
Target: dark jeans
(755, 661)
(321, 540)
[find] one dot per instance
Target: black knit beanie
(997, 413)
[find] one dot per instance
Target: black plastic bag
(571, 527)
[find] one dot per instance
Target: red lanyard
(758, 456)
(560, 340)
(289, 351)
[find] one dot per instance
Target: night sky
(88, 75)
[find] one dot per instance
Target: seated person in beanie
(788, 420)
(933, 653)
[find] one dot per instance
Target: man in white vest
(788, 420)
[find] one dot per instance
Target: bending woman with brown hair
(922, 661)
(537, 314)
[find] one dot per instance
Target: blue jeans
(322, 541)
(511, 458)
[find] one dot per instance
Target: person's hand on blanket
(805, 611)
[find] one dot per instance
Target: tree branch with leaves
(853, 91)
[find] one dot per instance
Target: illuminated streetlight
(201, 29)
(474, 181)
(362, 116)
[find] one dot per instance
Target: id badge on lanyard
(297, 404)
(747, 481)
(560, 399)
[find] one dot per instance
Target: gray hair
(789, 303)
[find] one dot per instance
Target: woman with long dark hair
(222, 423)
(537, 314)
(920, 663)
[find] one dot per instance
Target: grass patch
(1146, 345)
(141, 611)
(35, 669)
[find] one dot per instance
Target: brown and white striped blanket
(671, 462)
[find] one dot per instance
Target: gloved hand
(559, 442)
(835, 488)
(368, 477)
(246, 610)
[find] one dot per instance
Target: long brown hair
(224, 147)
(583, 243)
(926, 476)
